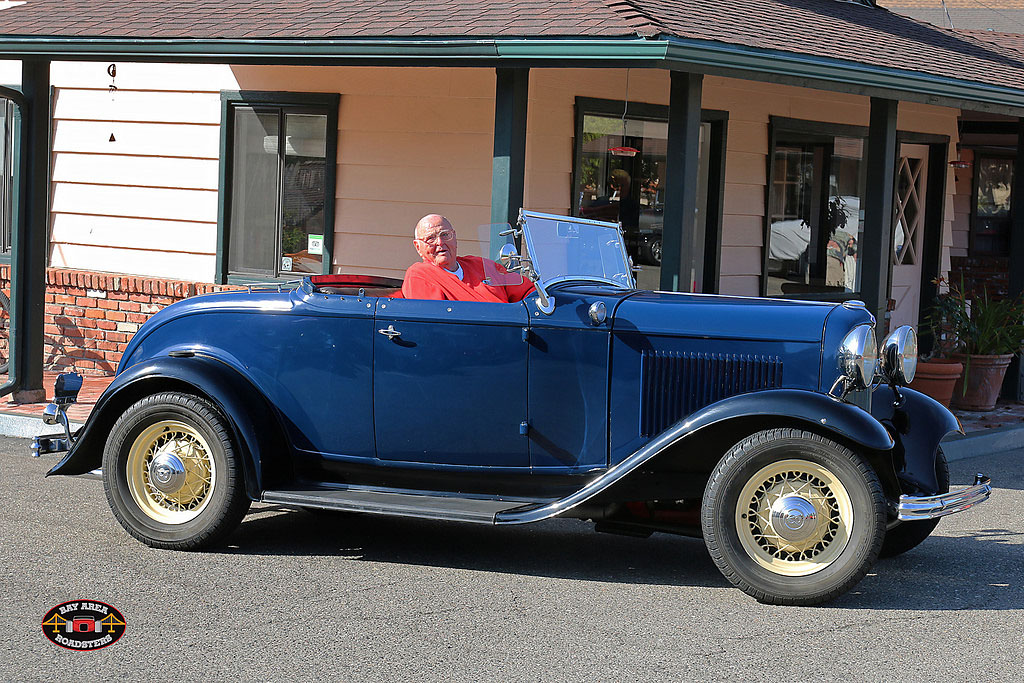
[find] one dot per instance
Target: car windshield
(566, 248)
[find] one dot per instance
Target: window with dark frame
(815, 212)
(279, 205)
(993, 183)
(619, 176)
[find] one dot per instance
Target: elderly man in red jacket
(443, 274)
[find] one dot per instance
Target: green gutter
(664, 52)
(738, 58)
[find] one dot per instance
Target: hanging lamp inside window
(624, 150)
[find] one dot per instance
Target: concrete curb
(974, 444)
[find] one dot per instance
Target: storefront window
(816, 215)
(990, 233)
(622, 166)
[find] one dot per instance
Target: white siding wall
(146, 202)
(10, 72)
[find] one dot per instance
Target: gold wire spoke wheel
(794, 517)
(171, 472)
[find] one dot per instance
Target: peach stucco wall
(410, 140)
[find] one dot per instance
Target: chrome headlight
(899, 356)
(858, 356)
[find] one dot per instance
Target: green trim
(330, 103)
(816, 131)
(814, 71)
(665, 52)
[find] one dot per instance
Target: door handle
(390, 332)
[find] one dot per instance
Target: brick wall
(90, 316)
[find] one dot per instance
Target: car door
(569, 375)
(449, 385)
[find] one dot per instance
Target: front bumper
(932, 507)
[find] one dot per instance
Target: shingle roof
(308, 19)
(823, 29)
(841, 30)
(984, 15)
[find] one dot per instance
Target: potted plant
(985, 333)
(937, 372)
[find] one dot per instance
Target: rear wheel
(171, 473)
(793, 518)
(908, 535)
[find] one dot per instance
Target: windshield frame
(531, 250)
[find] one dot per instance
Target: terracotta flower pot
(983, 376)
(937, 377)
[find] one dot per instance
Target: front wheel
(171, 473)
(793, 518)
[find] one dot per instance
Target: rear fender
(255, 426)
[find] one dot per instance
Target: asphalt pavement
(302, 596)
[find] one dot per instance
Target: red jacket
(426, 281)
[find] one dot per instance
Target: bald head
(435, 241)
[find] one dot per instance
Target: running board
(401, 503)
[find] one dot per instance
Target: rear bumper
(932, 507)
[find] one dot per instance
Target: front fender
(823, 411)
(918, 423)
(254, 425)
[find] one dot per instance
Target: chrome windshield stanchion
(65, 393)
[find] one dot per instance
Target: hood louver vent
(677, 384)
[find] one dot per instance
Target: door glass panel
(254, 191)
(303, 197)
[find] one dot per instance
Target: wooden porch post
(508, 169)
(28, 271)
(876, 251)
(681, 182)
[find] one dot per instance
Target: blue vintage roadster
(776, 430)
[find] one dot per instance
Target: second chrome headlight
(898, 362)
(858, 356)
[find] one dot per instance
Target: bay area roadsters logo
(83, 625)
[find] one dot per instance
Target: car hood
(722, 317)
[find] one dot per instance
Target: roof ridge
(639, 19)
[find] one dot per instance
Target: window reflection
(816, 216)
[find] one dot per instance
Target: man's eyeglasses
(440, 235)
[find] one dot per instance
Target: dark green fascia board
(841, 75)
(352, 51)
(702, 56)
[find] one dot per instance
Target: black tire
(793, 469)
(171, 473)
(908, 535)
(652, 252)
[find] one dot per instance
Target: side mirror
(509, 257)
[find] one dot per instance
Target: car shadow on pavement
(979, 570)
(568, 548)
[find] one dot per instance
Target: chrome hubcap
(794, 518)
(166, 472)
